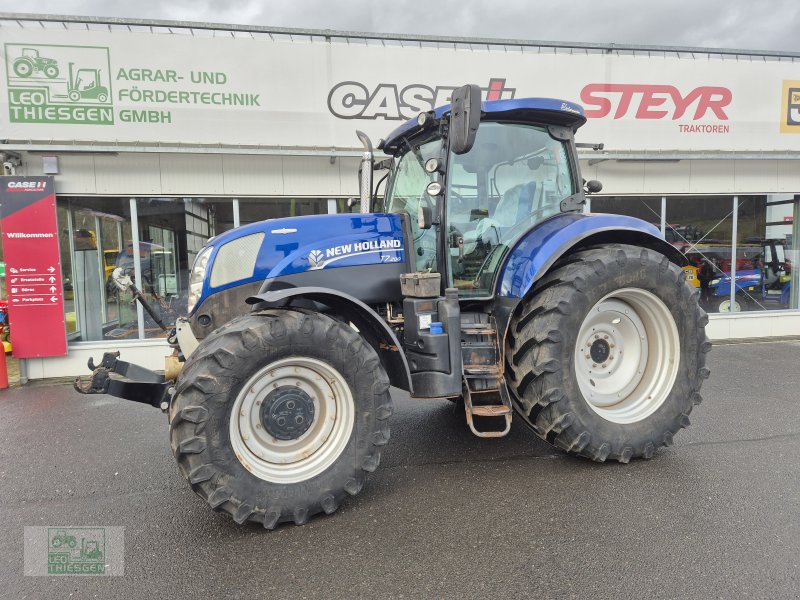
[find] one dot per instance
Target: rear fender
(539, 250)
(371, 326)
(536, 252)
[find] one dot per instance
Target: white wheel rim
(627, 355)
(313, 451)
(725, 306)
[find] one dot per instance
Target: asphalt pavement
(446, 515)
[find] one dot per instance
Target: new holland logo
(389, 251)
(315, 258)
(790, 107)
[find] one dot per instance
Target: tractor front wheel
(279, 415)
(606, 358)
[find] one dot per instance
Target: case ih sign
(33, 266)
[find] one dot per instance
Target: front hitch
(131, 383)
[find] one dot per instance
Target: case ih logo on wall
(790, 107)
(353, 100)
(58, 84)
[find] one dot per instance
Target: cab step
(483, 418)
(487, 409)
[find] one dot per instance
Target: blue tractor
(477, 278)
(767, 286)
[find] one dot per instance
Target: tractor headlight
(198, 276)
(714, 281)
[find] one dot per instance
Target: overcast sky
(753, 24)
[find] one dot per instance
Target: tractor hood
(294, 246)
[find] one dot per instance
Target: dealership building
(160, 135)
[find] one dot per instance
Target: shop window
(91, 231)
(646, 208)
(765, 225)
(97, 236)
(171, 233)
(702, 227)
(252, 210)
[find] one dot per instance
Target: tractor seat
(516, 204)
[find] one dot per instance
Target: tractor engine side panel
(362, 255)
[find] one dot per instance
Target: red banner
(33, 266)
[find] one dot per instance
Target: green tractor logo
(59, 84)
(61, 539)
(31, 63)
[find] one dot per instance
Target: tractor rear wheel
(23, 67)
(279, 415)
(606, 358)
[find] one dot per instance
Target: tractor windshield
(514, 176)
(405, 192)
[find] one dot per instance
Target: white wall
(151, 174)
(131, 174)
(695, 176)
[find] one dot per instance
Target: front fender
(533, 255)
(371, 326)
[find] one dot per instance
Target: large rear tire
(607, 357)
(279, 415)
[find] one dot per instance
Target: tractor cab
(470, 200)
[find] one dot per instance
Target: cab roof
(547, 111)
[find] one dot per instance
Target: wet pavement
(445, 515)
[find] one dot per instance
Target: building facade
(161, 135)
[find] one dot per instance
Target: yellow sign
(790, 107)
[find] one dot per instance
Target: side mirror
(465, 116)
(593, 186)
(424, 217)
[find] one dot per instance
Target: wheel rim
(725, 306)
(292, 420)
(627, 355)
(22, 69)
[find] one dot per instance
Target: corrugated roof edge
(330, 33)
